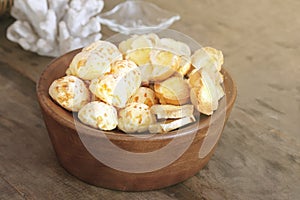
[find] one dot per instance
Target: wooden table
(258, 156)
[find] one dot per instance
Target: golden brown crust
(174, 90)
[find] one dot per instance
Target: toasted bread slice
(125, 45)
(174, 90)
(174, 124)
(146, 71)
(208, 57)
(205, 97)
(164, 64)
(139, 56)
(145, 41)
(179, 48)
(138, 42)
(185, 65)
(171, 111)
(220, 91)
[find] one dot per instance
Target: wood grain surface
(258, 156)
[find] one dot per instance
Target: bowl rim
(48, 105)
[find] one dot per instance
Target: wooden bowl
(139, 163)
(5, 6)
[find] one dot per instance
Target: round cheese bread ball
(70, 92)
(99, 115)
(135, 117)
(94, 60)
(116, 88)
(122, 66)
(144, 95)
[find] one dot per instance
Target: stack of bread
(147, 84)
